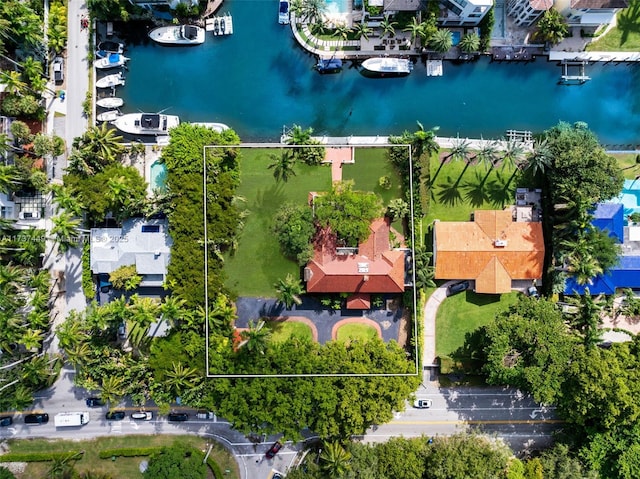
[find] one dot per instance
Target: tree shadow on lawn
(268, 199)
(476, 193)
(449, 193)
(629, 21)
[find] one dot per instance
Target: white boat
(216, 26)
(107, 47)
(388, 66)
(110, 81)
(110, 102)
(146, 123)
(113, 60)
(178, 35)
(222, 26)
(219, 127)
(108, 115)
(283, 12)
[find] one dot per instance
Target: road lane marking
(478, 421)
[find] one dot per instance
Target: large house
(495, 249)
(585, 14)
(373, 267)
(143, 243)
(626, 274)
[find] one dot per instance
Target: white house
(143, 243)
(150, 4)
(463, 13)
(589, 13)
(527, 12)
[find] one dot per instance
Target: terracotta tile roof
(359, 301)
(599, 4)
(541, 4)
(492, 250)
(375, 269)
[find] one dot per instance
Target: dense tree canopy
(176, 462)
(294, 227)
(347, 212)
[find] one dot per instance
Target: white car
(58, 70)
(142, 416)
(422, 403)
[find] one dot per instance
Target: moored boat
(110, 102)
(107, 47)
(108, 115)
(387, 66)
(146, 123)
(283, 12)
(216, 26)
(219, 127)
(113, 60)
(329, 65)
(178, 35)
(110, 81)
(222, 26)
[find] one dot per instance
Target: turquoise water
(337, 6)
(455, 38)
(258, 80)
(158, 176)
(630, 197)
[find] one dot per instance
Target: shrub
(128, 452)
(385, 182)
(87, 281)
(38, 456)
(293, 224)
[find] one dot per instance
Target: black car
(94, 402)
(273, 450)
(456, 288)
(36, 418)
(178, 416)
(115, 415)
(6, 421)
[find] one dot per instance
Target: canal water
(258, 80)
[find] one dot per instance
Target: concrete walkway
(430, 312)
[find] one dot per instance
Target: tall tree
(288, 291)
(334, 459)
(441, 41)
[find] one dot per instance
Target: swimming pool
(630, 197)
(158, 176)
(455, 38)
(337, 6)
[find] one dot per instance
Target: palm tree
(552, 27)
(12, 81)
(388, 27)
(222, 313)
(362, 30)
(180, 378)
(415, 27)
(314, 9)
(145, 310)
(296, 7)
(334, 459)
(99, 146)
(111, 389)
(470, 43)
(288, 291)
(65, 230)
(78, 354)
(31, 69)
(32, 339)
(487, 153)
(171, 309)
(512, 154)
(282, 165)
(541, 159)
(459, 150)
(66, 199)
(342, 31)
(299, 136)
(424, 141)
(255, 339)
(9, 178)
(442, 40)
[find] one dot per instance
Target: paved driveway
(325, 319)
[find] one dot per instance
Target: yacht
(178, 35)
(387, 66)
(146, 123)
(110, 81)
(112, 60)
(110, 102)
(283, 12)
(107, 47)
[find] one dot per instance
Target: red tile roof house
(374, 267)
(493, 249)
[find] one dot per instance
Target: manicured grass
(258, 262)
(122, 467)
(283, 330)
(370, 165)
(357, 331)
(458, 190)
(464, 313)
(628, 165)
(625, 37)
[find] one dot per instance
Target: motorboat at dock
(110, 115)
(110, 81)
(107, 47)
(110, 102)
(387, 66)
(219, 127)
(178, 35)
(113, 60)
(329, 65)
(219, 25)
(146, 123)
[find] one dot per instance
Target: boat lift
(580, 78)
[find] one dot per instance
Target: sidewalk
(430, 313)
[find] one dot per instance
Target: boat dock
(434, 68)
(581, 77)
(215, 24)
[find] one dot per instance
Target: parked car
(142, 416)
(36, 418)
(273, 450)
(6, 421)
(122, 331)
(422, 403)
(94, 402)
(178, 416)
(456, 288)
(58, 70)
(115, 415)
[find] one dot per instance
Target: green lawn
(357, 331)
(464, 313)
(625, 37)
(122, 467)
(258, 262)
(370, 165)
(628, 165)
(283, 330)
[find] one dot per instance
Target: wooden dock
(581, 77)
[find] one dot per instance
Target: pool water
(630, 197)
(158, 177)
(259, 79)
(337, 6)
(455, 38)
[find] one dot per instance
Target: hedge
(37, 456)
(128, 452)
